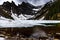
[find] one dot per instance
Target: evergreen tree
(53, 10)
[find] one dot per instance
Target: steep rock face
(24, 8)
(7, 6)
(6, 9)
(15, 8)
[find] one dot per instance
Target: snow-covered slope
(21, 20)
(24, 23)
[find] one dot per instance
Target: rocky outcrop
(24, 8)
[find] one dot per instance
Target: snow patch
(1, 38)
(21, 17)
(17, 22)
(29, 16)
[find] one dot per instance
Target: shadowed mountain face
(24, 8)
(7, 6)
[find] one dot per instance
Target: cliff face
(25, 9)
(50, 9)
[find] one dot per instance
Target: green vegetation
(54, 10)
